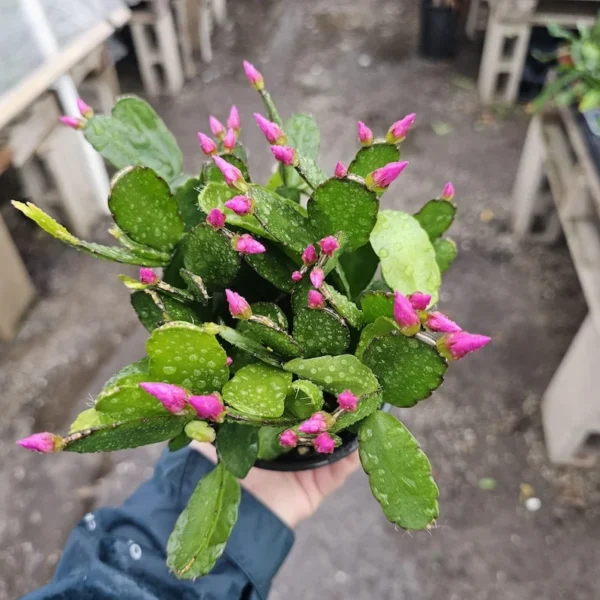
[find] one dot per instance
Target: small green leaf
(303, 134)
(249, 345)
(202, 529)
(359, 268)
(309, 171)
(155, 308)
(336, 373)
(344, 307)
(445, 253)
(399, 472)
(373, 157)
(200, 431)
(186, 197)
(274, 266)
(267, 332)
(258, 390)
(139, 249)
(196, 287)
(237, 447)
(436, 217)
(343, 205)
(305, 399)
(377, 304)
(300, 294)
(407, 257)
(366, 406)
(209, 254)
(381, 326)
(320, 332)
(88, 419)
(269, 447)
(140, 366)
(184, 354)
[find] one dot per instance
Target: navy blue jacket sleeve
(120, 552)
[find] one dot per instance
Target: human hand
(292, 495)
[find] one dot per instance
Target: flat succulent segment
(208, 253)
(211, 172)
(237, 447)
(184, 354)
(195, 285)
(408, 368)
(343, 205)
(399, 472)
(373, 157)
(309, 171)
(258, 391)
(267, 332)
(268, 443)
(155, 308)
(359, 268)
(135, 135)
(272, 311)
(202, 529)
(445, 253)
(336, 373)
(186, 197)
(249, 345)
(88, 419)
(274, 266)
(305, 399)
(303, 134)
(56, 230)
(140, 366)
(140, 249)
(407, 256)
(436, 217)
(366, 406)
(320, 332)
(283, 219)
(300, 294)
(381, 326)
(377, 304)
(344, 307)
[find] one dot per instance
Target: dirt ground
(341, 61)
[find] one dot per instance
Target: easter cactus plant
(288, 317)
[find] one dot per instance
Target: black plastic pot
(439, 31)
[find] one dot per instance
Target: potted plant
(439, 28)
(270, 334)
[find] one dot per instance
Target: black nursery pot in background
(439, 30)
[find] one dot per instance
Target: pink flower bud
(284, 154)
(397, 132)
(315, 424)
(148, 276)
(217, 128)
(289, 438)
(42, 442)
(329, 245)
(340, 170)
(84, 108)
(419, 300)
(233, 120)
(324, 443)
(246, 244)
(216, 218)
(208, 407)
(254, 76)
(315, 299)
(317, 276)
(448, 192)
(347, 401)
(233, 176)
(365, 135)
(173, 397)
(454, 346)
(229, 141)
(238, 307)
(207, 144)
(271, 131)
(382, 178)
(240, 205)
(72, 122)
(296, 276)
(309, 256)
(437, 321)
(229, 361)
(405, 315)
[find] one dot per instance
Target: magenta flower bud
(419, 300)
(271, 131)
(246, 244)
(216, 218)
(284, 154)
(397, 132)
(437, 321)
(365, 135)
(347, 401)
(296, 276)
(382, 178)
(233, 120)
(289, 438)
(229, 141)
(233, 176)
(317, 276)
(329, 245)
(217, 128)
(254, 76)
(240, 205)
(340, 170)
(229, 361)
(405, 315)
(72, 122)
(454, 346)
(309, 256)
(315, 424)
(448, 192)
(207, 144)
(148, 276)
(324, 443)
(84, 108)
(42, 442)
(172, 397)
(238, 307)
(208, 407)
(315, 299)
